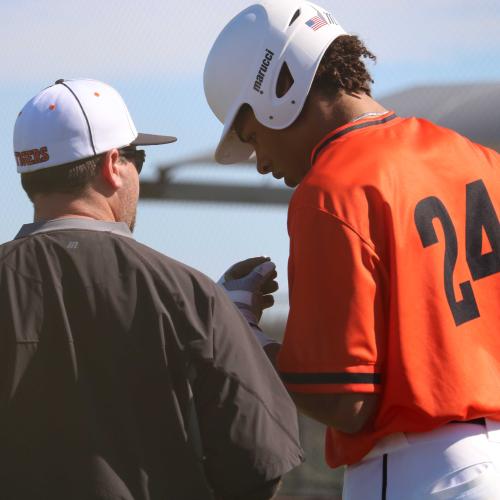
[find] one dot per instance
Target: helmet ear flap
(284, 82)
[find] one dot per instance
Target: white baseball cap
(72, 120)
(247, 58)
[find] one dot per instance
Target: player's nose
(263, 168)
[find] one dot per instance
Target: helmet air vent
(295, 16)
(284, 82)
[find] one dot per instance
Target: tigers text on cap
(72, 120)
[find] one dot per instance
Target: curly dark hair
(343, 68)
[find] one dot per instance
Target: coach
(124, 374)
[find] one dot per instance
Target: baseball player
(392, 338)
(125, 375)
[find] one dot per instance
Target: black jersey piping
(351, 129)
(330, 378)
(85, 116)
(384, 477)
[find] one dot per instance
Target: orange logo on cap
(32, 156)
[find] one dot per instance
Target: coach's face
(283, 153)
(129, 192)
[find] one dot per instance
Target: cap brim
(152, 140)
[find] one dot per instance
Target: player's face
(283, 153)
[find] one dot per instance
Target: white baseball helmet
(247, 58)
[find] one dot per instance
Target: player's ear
(110, 169)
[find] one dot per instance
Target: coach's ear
(111, 173)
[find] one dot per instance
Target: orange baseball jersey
(394, 278)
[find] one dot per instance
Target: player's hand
(250, 285)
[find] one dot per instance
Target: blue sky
(153, 52)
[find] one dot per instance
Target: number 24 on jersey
(480, 215)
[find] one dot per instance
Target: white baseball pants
(459, 461)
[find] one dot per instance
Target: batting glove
(249, 284)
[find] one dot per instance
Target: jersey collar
(350, 127)
(119, 228)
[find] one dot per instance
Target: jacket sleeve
(247, 420)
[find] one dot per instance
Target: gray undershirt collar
(119, 228)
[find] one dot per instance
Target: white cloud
(104, 38)
(405, 30)
(82, 37)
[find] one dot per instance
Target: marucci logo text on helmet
(259, 79)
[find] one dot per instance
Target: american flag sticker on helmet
(322, 19)
(316, 22)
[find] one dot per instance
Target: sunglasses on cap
(136, 156)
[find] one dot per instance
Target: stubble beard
(131, 224)
(130, 214)
(130, 209)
